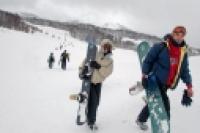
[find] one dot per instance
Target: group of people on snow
(64, 58)
(167, 61)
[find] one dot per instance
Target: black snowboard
(83, 103)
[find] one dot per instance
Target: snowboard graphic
(142, 50)
(159, 119)
(83, 96)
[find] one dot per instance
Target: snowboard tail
(158, 115)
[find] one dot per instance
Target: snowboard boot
(92, 127)
(142, 125)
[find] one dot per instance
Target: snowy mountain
(115, 32)
(81, 30)
(34, 99)
(114, 26)
(24, 15)
(121, 36)
(14, 21)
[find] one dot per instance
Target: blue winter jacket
(157, 62)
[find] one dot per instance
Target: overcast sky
(150, 16)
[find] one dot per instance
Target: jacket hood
(107, 41)
(168, 37)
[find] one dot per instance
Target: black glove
(186, 100)
(85, 70)
(95, 65)
(145, 82)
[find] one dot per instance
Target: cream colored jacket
(106, 62)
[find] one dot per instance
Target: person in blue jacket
(168, 62)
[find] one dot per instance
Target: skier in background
(61, 46)
(63, 59)
(51, 60)
(103, 66)
(168, 62)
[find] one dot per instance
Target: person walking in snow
(168, 62)
(51, 60)
(61, 46)
(103, 67)
(63, 59)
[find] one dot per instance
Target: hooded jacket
(157, 63)
(106, 62)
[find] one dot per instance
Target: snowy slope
(34, 99)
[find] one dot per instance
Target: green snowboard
(159, 119)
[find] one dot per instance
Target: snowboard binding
(81, 97)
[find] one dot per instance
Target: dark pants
(93, 103)
(50, 65)
(63, 65)
(144, 114)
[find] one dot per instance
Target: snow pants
(64, 65)
(93, 103)
(144, 114)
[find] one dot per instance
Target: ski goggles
(179, 30)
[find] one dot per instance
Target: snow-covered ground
(34, 99)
